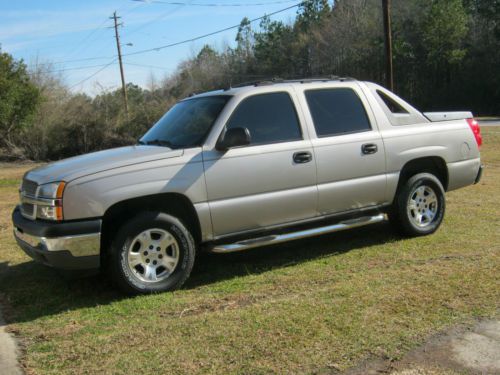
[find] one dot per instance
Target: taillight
(476, 130)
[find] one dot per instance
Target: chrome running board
(279, 238)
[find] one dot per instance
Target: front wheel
(153, 252)
(419, 205)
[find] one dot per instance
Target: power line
(214, 4)
(147, 24)
(209, 34)
(123, 15)
(99, 28)
(93, 74)
(93, 32)
(130, 10)
(78, 60)
(180, 42)
(87, 37)
(69, 69)
(146, 66)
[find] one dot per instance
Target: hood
(84, 165)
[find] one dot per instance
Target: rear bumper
(67, 246)
(463, 173)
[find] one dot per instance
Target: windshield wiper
(158, 142)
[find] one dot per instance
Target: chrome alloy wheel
(422, 206)
(153, 255)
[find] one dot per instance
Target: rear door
(349, 150)
(265, 183)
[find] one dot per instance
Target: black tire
(403, 217)
(130, 281)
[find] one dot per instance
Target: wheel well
(174, 204)
(432, 164)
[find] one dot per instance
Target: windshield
(186, 124)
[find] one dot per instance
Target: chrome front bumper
(66, 245)
(77, 246)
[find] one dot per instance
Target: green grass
(301, 307)
(9, 182)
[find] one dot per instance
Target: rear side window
(393, 106)
(270, 118)
(337, 111)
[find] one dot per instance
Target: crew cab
(243, 167)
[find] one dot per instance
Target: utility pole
(389, 76)
(118, 46)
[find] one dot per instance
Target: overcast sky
(60, 31)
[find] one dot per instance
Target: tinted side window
(393, 106)
(187, 123)
(337, 111)
(270, 118)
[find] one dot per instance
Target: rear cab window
(397, 110)
(337, 111)
(391, 104)
(270, 118)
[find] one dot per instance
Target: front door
(269, 182)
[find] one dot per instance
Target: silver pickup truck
(244, 167)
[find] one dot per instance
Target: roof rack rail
(275, 80)
(320, 79)
(264, 82)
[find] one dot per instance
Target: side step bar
(279, 238)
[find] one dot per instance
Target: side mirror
(233, 137)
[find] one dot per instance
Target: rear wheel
(419, 205)
(153, 252)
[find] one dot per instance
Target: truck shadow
(210, 268)
(30, 290)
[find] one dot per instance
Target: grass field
(312, 306)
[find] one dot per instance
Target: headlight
(51, 191)
(51, 195)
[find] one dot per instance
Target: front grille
(29, 187)
(27, 209)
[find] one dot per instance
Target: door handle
(302, 157)
(369, 148)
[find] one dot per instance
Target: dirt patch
(473, 349)
(221, 304)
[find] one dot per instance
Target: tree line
(446, 57)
